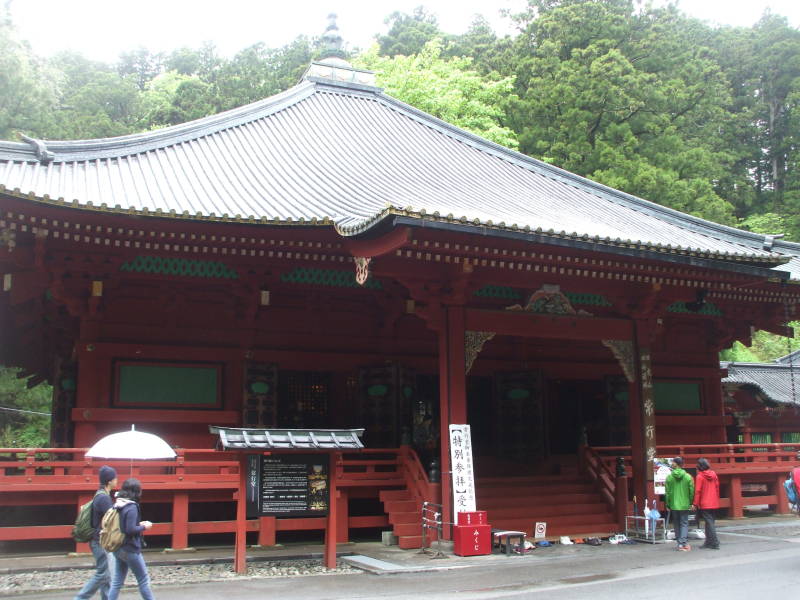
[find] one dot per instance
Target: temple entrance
(506, 417)
(576, 409)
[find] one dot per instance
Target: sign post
(461, 463)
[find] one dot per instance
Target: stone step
(399, 518)
(394, 506)
(389, 495)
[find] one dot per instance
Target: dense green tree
(105, 105)
(28, 89)
(140, 65)
(762, 64)
(258, 72)
(446, 88)
(24, 413)
(627, 96)
(408, 34)
(172, 98)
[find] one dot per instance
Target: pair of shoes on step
(684, 548)
(710, 547)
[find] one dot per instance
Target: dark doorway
(577, 408)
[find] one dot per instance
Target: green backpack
(83, 531)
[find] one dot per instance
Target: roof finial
(331, 41)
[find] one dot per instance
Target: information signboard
(287, 485)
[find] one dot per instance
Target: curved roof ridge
(135, 143)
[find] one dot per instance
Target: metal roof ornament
(331, 41)
(42, 153)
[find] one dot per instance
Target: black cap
(107, 474)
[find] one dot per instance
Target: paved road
(752, 563)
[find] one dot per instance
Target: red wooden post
(240, 551)
(782, 506)
(180, 520)
(330, 530)
(267, 527)
(452, 398)
(343, 518)
(737, 502)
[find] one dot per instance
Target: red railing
(65, 479)
(750, 474)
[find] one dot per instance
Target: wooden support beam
(331, 525)
(531, 325)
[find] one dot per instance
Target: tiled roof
(343, 153)
(778, 382)
(289, 439)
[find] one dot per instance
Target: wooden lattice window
(303, 398)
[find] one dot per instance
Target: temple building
(331, 257)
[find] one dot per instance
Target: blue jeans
(101, 580)
(680, 520)
(135, 562)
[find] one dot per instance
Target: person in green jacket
(679, 498)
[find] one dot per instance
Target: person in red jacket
(706, 500)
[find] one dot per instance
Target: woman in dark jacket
(706, 499)
(129, 555)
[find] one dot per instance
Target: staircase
(404, 517)
(566, 502)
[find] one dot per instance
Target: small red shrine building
(333, 258)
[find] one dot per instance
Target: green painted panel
(181, 267)
(328, 277)
(518, 394)
(259, 387)
(377, 390)
(677, 396)
(167, 385)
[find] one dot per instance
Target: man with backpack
(680, 494)
(104, 561)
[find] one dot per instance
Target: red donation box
(476, 517)
(472, 540)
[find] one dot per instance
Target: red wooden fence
(749, 474)
(65, 479)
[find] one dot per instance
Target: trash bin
(472, 540)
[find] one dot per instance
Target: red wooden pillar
(330, 530)
(240, 550)
(782, 506)
(267, 528)
(180, 520)
(452, 397)
(343, 518)
(737, 502)
(642, 413)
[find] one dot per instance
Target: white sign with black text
(463, 480)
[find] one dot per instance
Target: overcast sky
(101, 29)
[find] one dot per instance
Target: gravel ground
(36, 581)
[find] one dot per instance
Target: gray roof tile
(778, 382)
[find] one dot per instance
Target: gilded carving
(623, 352)
(473, 344)
(362, 269)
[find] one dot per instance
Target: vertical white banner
(463, 480)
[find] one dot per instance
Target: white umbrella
(135, 445)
